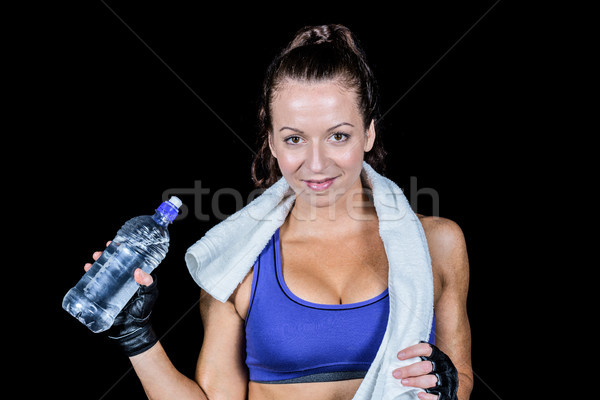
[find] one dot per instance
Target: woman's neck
(352, 212)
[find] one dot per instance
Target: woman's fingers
(417, 374)
(95, 256)
(414, 370)
(140, 276)
(143, 278)
(417, 350)
(423, 381)
(427, 396)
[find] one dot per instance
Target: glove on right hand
(132, 330)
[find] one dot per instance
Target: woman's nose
(317, 160)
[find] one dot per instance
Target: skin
(319, 141)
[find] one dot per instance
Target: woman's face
(319, 140)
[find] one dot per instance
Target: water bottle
(142, 242)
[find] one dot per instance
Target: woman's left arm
(453, 334)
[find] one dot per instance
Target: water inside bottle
(109, 284)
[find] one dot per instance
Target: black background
(135, 101)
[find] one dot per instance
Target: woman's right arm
(221, 371)
(161, 380)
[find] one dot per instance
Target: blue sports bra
(290, 340)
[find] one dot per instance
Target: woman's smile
(319, 185)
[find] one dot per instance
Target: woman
(275, 336)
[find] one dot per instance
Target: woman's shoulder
(441, 229)
(445, 239)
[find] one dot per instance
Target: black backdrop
(144, 99)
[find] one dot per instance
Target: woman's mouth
(320, 184)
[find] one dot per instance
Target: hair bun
(312, 35)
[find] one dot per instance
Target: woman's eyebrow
(340, 124)
(292, 129)
(330, 129)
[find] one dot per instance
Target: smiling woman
(304, 296)
(314, 151)
(322, 54)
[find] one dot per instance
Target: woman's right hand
(140, 276)
(131, 329)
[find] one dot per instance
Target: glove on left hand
(446, 372)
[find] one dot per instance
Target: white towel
(223, 257)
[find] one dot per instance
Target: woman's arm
(221, 369)
(161, 380)
(451, 265)
(221, 372)
(453, 334)
(157, 374)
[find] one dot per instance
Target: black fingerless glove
(446, 372)
(132, 330)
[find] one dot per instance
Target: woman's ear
(370, 136)
(271, 147)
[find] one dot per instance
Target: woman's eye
(339, 137)
(293, 139)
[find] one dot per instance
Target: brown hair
(318, 53)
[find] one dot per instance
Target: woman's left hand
(436, 373)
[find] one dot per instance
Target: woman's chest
(336, 270)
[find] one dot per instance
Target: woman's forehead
(314, 104)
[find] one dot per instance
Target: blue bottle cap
(170, 208)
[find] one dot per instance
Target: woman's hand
(436, 373)
(140, 276)
(131, 329)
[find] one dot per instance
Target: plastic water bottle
(142, 242)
